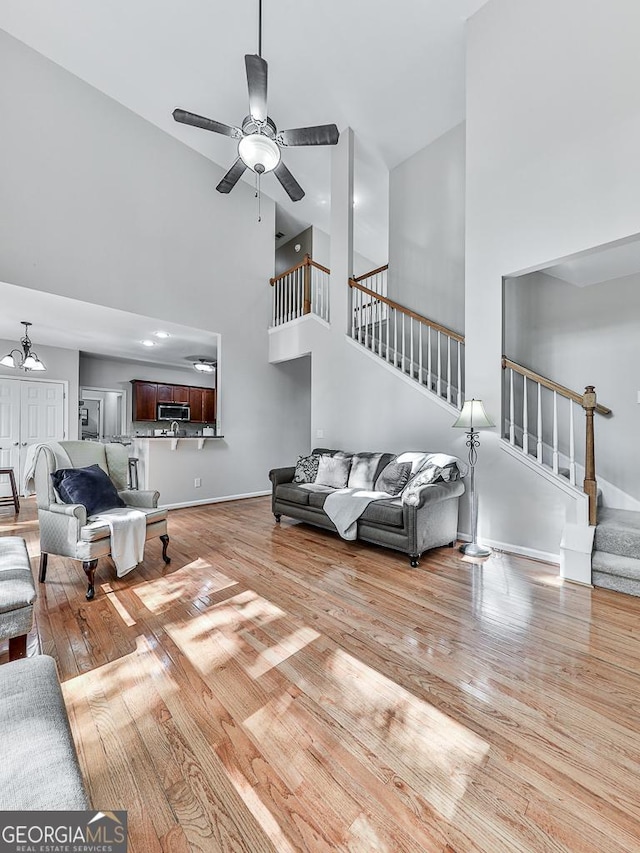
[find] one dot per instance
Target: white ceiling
(598, 265)
(69, 323)
(392, 72)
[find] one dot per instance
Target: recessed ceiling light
(148, 343)
(161, 334)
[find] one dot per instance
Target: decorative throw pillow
(89, 486)
(333, 470)
(393, 478)
(306, 469)
(363, 470)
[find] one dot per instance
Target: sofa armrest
(433, 493)
(281, 475)
(133, 497)
(77, 510)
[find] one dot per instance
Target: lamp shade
(473, 416)
(259, 153)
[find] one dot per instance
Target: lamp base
(472, 549)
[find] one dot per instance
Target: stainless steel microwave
(173, 412)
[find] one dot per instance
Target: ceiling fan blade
(321, 134)
(185, 117)
(257, 83)
(232, 177)
(291, 186)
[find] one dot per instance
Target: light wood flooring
(278, 689)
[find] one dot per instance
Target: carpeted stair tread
(617, 584)
(613, 564)
(618, 532)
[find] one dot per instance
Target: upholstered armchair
(65, 529)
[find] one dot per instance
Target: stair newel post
(307, 285)
(590, 486)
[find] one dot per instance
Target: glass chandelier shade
(259, 153)
(25, 359)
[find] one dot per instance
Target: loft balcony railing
(302, 289)
(427, 351)
(541, 421)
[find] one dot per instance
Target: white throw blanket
(128, 533)
(59, 458)
(345, 506)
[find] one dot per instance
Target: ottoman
(17, 594)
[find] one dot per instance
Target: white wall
(582, 336)
(553, 133)
(106, 208)
(426, 230)
(62, 366)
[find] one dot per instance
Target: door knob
(24, 443)
(16, 443)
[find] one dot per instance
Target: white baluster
(555, 432)
(420, 356)
(512, 410)
(429, 358)
(459, 397)
(411, 359)
(388, 333)
(403, 342)
(539, 425)
(525, 418)
(439, 377)
(572, 447)
(448, 369)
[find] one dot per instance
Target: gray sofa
(431, 522)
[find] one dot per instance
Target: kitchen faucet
(175, 426)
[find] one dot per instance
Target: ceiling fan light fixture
(203, 366)
(259, 153)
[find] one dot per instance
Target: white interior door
(9, 431)
(41, 415)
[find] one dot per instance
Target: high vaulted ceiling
(394, 72)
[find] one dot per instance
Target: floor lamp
(473, 418)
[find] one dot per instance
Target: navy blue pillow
(88, 486)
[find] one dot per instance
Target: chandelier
(26, 359)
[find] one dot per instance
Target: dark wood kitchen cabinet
(144, 400)
(173, 393)
(209, 405)
(147, 395)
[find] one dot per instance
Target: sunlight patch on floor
(196, 579)
(118, 606)
(423, 746)
(276, 654)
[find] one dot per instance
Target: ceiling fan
(259, 139)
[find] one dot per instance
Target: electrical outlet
(319, 433)
(197, 482)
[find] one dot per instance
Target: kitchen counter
(176, 439)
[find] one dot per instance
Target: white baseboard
(215, 500)
(521, 551)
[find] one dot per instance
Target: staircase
(616, 551)
(426, 352)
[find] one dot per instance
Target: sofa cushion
(364, 467)
(387, 512)
(306, 469)
(292, 492)
(393, 478)
(334, 470)
(89, 486)
(318, 495)
(92, 531)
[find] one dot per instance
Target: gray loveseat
(429, 521)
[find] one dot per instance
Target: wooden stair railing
(432, 355)
(302, 289)
(586, 401)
